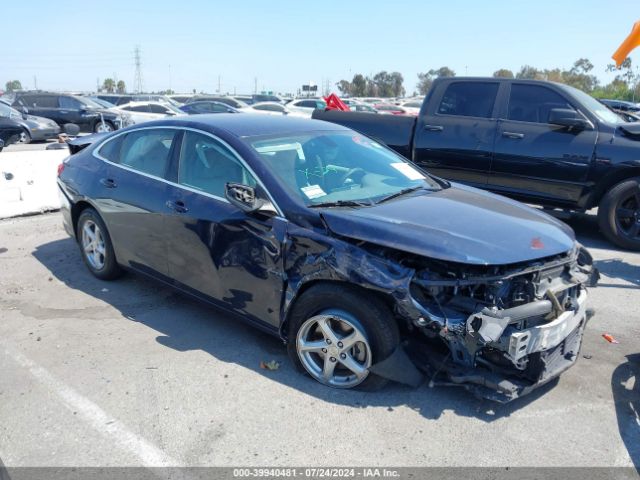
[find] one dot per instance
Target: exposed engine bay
(505, 329)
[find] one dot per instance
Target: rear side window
(469, 99)
(153, 108)
(147, 150)
(532, 103)
(42, 101)
(111, 149)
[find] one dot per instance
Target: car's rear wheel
(104, 127)
(337, 332)
(25, 137)
(95, 246)
(619, 214)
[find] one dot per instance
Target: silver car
(35, 128)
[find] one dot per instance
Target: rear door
(454, 138)
(134, 195)
(215, 249)
(42, 105)
(534, 159)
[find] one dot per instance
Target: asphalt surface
(129, 373)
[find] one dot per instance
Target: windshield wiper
(404, 191)
(342, 203)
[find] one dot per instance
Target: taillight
(60, 168)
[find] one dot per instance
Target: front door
(215, 249)
(534, 158)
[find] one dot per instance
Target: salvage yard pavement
(129, 373)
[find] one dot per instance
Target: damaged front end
(500, 331)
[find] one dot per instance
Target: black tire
(110, 268)
(96, 127)
(25, 137)
(619, 214)
(371, 313)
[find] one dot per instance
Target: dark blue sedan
(207, 106)
(369, 268)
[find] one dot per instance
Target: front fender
(313, 256)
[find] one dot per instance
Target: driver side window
(208, 165)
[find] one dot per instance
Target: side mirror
(25, 115)
(25, 110)
(567, 117)
(244, 198)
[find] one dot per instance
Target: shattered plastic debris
(609, 338)
(272, 365)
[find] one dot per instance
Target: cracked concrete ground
(121, 373)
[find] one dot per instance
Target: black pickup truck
(538, 142)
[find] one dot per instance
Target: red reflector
(60, 168)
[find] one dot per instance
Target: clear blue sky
(188, 44)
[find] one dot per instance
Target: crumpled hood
(458, 224)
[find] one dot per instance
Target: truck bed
(395, 131)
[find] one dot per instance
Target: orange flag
(632, 41)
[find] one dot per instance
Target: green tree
(109, 85)
(397, 81)
(503, 73)
(579, 75)
(344, 86)
(121, 86)
(426, 79)
(358, 85)
(527, 72)
(13, 85)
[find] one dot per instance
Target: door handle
(177, 206)
(434, 128)
(108, 182)
(513, 135)
(64, 111)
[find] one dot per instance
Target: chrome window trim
(174, 184)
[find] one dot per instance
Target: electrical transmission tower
(137, 82)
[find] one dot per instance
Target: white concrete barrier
(28, 181)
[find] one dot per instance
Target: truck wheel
(337, 332)
(619, 214)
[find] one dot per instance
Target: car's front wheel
(619, 214)
(337, 332)
(95, 246)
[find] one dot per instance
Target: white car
(306, 105)
(146, 111)
(412, 106)
(273, 108)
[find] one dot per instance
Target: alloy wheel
(333, 348)
(103, 127)
(628, 216)
(93, 245)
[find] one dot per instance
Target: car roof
(142, 103)
(249, 125)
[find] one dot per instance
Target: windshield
(87, 102)
(7, 111)
(594, 106)
(330, 167)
